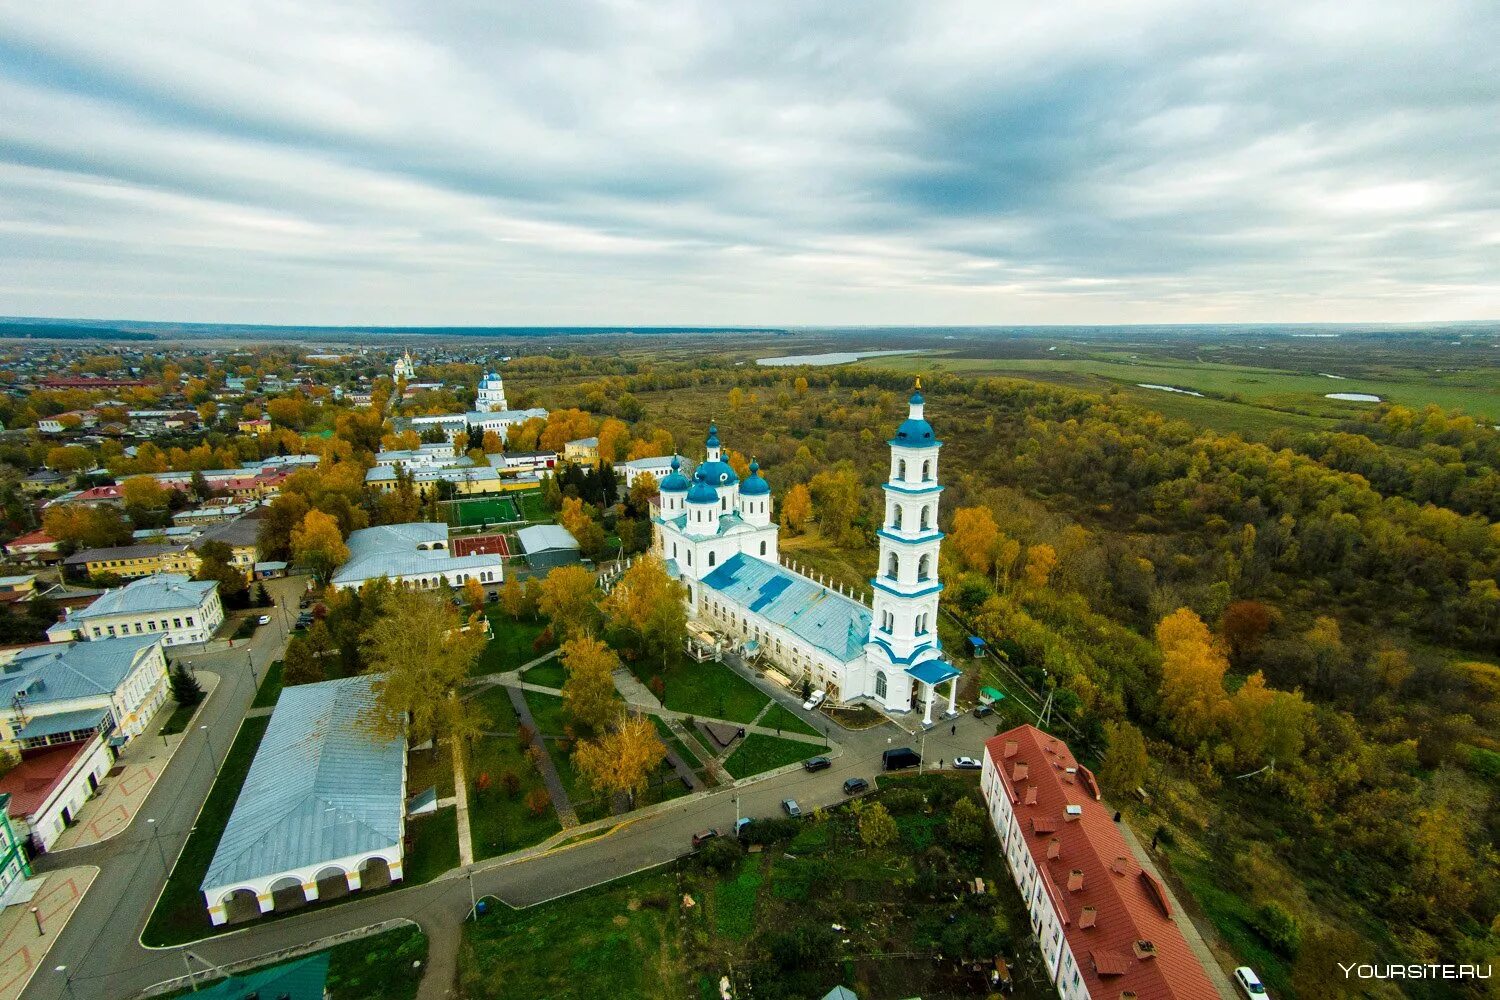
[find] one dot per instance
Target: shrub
(903, 800)
(510, 784)
(538, 801)
(876, 827)
(720, 855)
(770, 831)
(800, 945)
(965, 823)
(1281, 930)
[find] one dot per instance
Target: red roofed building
(1104, 923)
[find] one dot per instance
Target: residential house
(169, 605)
(34, 547)
(583, 451)
(131, 561)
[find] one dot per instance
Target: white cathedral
(718, 535)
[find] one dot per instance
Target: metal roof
(301, 979)
(149, 594)
(321, 787)
(933, 671)
(123, 552)
(59, 671)
(62, 722)
(822, 617)
(393, 550)
(545, 537)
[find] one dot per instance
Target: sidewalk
(125, 789)
(22, 950)
(548, 770)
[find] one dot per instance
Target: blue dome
(718, 473)
(674, 481)
(713, 436)
(914, 432)
(754, 485)
(701, 491)
(916, 398)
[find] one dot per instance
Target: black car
(980, 711)
(853, 786)
(817, 763)
(901, 757)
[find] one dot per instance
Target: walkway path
(129, 782)
(635, 693)
(22, 950)
(710, 761)
(544, 765)
(461, 801)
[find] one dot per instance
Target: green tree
(877, 828)
(1123, 768)
(185, 687)
(966, 823)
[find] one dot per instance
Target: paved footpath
(22, 950)
(130, 781)
(544, 765)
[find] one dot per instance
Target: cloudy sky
(759, 162)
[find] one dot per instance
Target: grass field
(781, 718)
(708, 690)
(500, 823)
(180, 914)
(434, 845)
(532, 507)
(379, 967)
(766, 753)
(270, 687)
(512, 643)
(637, 938)
(550, 674)
(465, 513)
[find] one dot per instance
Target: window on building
(926, 518)
(896, 517)
(177, 623)
(926, 471)
(924, 566)
(762, 548)
(893, 566)
(880, 683)
(712, 558)
(901, 469)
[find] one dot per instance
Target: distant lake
(1169, 388)
(1353, 397)
(833, 358)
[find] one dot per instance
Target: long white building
(172, 606)
(417, 554)
(719, 536)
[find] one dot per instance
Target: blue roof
(755, 485)
(61, 671)
(321, 787)
(400, 550)
(822, 617)
(701, 491)
(914, 432)
(62, 722)
(933, 671)
(719, 473)
(713, 436)
(301, 979)
(159, 592)
(675, 481)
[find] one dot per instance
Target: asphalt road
(101, 949)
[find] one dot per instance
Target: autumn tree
(474, 595)
(318, 545)
(1244, 625)
(623, 759)
(79, 526)
(974, 536)
(144, 493)
(796, 509)
(589, 694)
(614, 439)
(836, 494)
(421, 655)
(1040, 561)
(512, 597)
(642, 490)
(579, 523)
(877, 828)
(1267, 725)
(1124, 765)
(70, 458)
(216, 562)
(568, 598)
(649, 604)
(1192, 681)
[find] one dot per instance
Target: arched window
(893, 567)
(724, 503)
(762, 548)
(926, 518)
(901, 469)
(880, 683)
(926, 470)
(712, 558)
(896, 517)
(923, 567)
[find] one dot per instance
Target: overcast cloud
(438, 161)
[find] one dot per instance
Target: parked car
(901, 757)
(816, 700)
(703, 836)
(853, 786)
(980, 711)
(966, 763)
(740, 824)
(817, 763)
(263, 620)
(1246, 979)
(791, 808)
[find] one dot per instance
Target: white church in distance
(719, 536)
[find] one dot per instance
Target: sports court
(481, 510)
(474, 545)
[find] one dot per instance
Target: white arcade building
(719, 537)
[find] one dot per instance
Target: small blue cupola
(702, 492)
(754, 485)
(915, 431)
(674, 481)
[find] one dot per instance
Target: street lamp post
(212, 754)
(36, 915)
(67, 980)
(160, 853)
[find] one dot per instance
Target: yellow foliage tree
(623, 759)
(1192, 677)
(796, 509)
(568, 598)
(589, 694)
(650, 604)
(318, 544)
(974, 536)
(614, 439)
(1040, 561)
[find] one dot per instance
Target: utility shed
(322, 811)
(548, 546)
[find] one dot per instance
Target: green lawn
(378, 967)
(782, 718)
(500, 823)
(270, 687)
(766, 753)
(550, 674)
(547, 709)
(673, 743)
(181, 914)
(178, 720)
(513, 643)
(618, 941)
(707, 690)
(532, 507)
(434, 845)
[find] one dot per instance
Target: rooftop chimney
(1088, 918)
(1145, 949)
(1010, 748)
(1072, 812)
(1075, 880)
(1054, 848)
(1020, 771)
(1120, 866)
(1031, 795)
